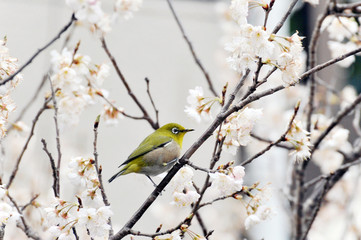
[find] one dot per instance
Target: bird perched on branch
(157, 153)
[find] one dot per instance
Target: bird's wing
(146, 147)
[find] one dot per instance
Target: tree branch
(196, 59)
(99, 172)
(16, 168)
(126, 85)
(40, 50)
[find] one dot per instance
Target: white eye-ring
(175, 130)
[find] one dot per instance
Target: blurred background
(148, 45)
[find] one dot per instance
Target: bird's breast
(161, 159)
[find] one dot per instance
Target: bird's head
(175, 131)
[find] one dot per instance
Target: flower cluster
(7, 211)
(254, 43)
(89, 212)
(237, 128)
(300, 139)
(76, 82)
(182, 183)
(256, 210)
(8, 66)
(327, 156)
(112, 115)
(262, 213)
(90, 12)
(344, 35)
(128, 7)
(227, 182)
(198, 108)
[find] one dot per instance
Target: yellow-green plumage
(156, 153)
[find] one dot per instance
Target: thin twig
(199, 168)
(236, 90)
(312, 63)
(270, 141)
(119, 110)
(16, 168)
(284, 18)
(40, 50)
(54, 169)
(201, 223)
(196, 59)
(126, 85)
(26, 228)
(279, 140)
(30, 102)
(340, 115)
(325, 176)
(99, 171)
(152, 101)
(30, 202)
(58, 146)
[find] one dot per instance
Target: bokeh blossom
(77, 83)
(237, 128)
(88, 212)
(8, 66)
(228, 183)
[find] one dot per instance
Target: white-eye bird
(157, 153)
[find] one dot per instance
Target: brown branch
(236, 90)
(152, 101)
(99, 171)
(195, 167)
(54, 169)
(126, 85)
(30, 102)
(328, 63)
(312, 63)
(196, 59)
(270, 141)
(25, 227)
(58, 146)
(219, 199)
(201, 223)
(331, 179)
(275, 143)
(16, 168)
(297, 211)
(284, 18)
(153, 235)
(118, 110)
(30, 202)
(40, 50)
(340, 115)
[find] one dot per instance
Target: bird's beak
(187, 130)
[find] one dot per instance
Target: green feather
(158, 139)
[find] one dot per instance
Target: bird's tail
(116, 175)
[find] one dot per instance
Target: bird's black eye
(175, 130)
